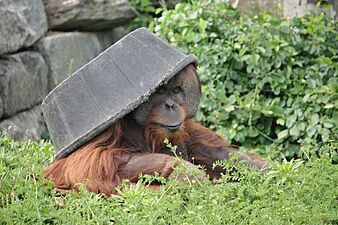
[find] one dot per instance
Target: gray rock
(26, 125)
(107, 38)
(23, 81)
(66, 52)
(1, 108)
(87, 15)
(23, 22)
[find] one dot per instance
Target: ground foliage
(268, 83)
(295, 193)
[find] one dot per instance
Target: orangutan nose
(169, 104)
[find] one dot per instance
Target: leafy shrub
(146, 10)
(268, 82)
(296, 193)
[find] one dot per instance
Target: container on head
(108, 87)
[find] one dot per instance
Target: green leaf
(245, 57)
(314, 119)
(221, 97)
(290, 120)
(158, 10)
(202, 24)
(280, 121)
(192, 15)
(301, 126)
(229, 108)
(151, 26)
(294, 131)
(261, 49)
(282, 134)
(306, 97)
(328, 125)
(328, 106)
(325, 135)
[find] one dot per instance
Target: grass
(296, 192)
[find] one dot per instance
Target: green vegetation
(296, 193)
(269, 84)
(146, 10)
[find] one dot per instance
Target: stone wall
(42, 42)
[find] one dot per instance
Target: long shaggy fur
(97, 163)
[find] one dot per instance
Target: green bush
(296, 193)
(268, 83)
(145, 10)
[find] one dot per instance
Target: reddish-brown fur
(102, 160)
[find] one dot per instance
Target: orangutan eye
(177, 90)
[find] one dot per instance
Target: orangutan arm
(141, 164)
(206, 147)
